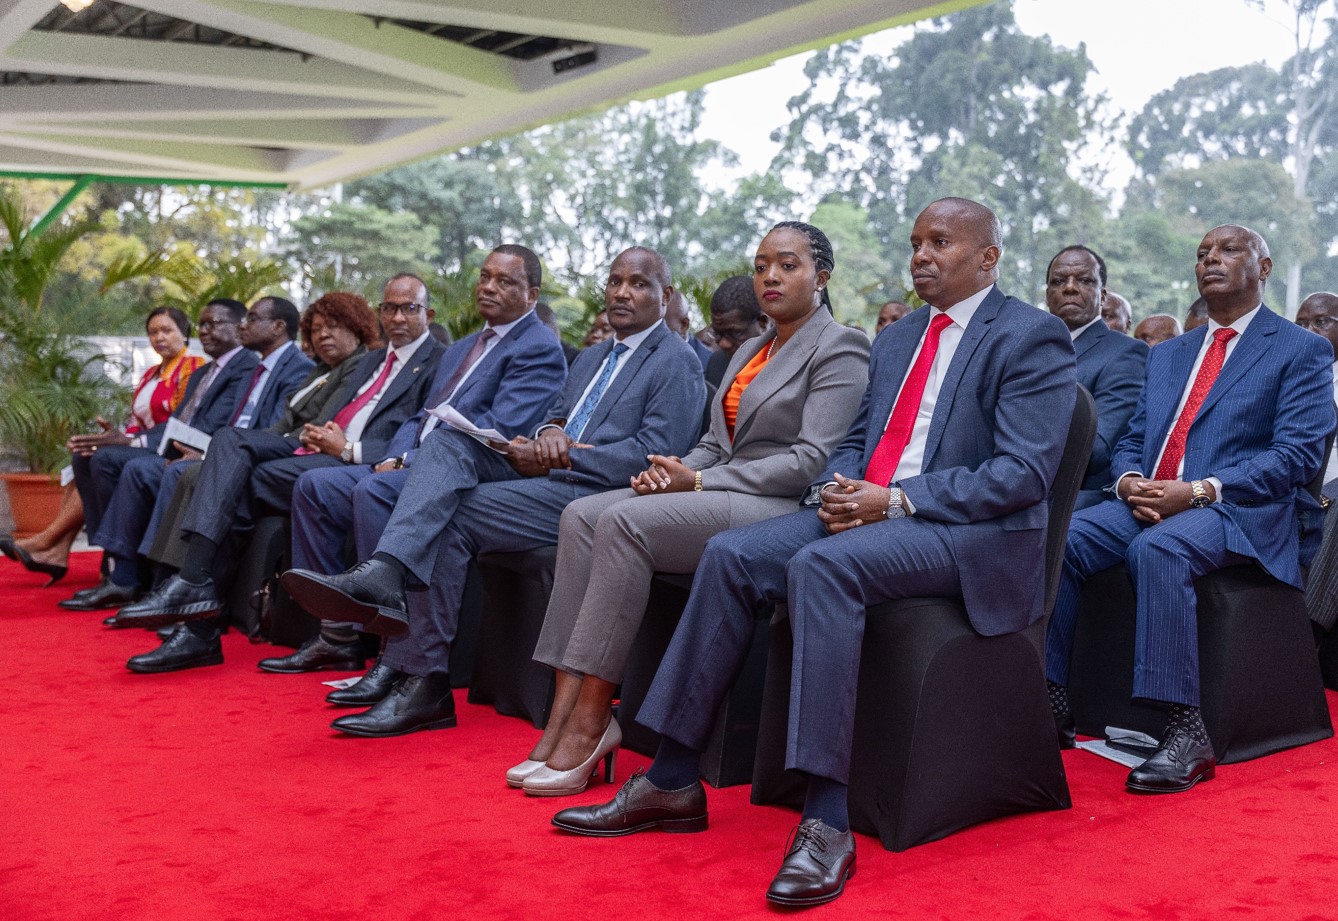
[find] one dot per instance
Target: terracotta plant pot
(34, 500)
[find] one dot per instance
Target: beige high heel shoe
(515, 777)
(548, 782)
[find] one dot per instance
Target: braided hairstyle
(821, 248)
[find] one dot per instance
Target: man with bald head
(1196, 315)
(1110, 366)
(1157, 328)
(1117, 313)
(679, 321)
(639, 393)
(1212, 473)
(939, 488)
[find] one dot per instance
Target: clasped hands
(85, 445)
(851, 503)
(323, 439)
(536, 456)
(666, 473)
(1151, 501)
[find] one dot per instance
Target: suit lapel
(974, 334)
(1090, 337)
(626, 376)
(901, 351)
(1254, 343)
(1163, 404)
(406, 378)
(497, 353)
(780, 370)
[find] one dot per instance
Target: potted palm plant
(51, 384)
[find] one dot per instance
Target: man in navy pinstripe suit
(1230, 428)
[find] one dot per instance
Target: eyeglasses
(1317, 323)
(389, 309)
(249, 319)
(207, 325)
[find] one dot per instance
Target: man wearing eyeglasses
(251, 472)
(504, 377)
(212, 396)
(267, 329)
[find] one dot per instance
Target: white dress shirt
(912, 459)
(353, 431)
(252, 399)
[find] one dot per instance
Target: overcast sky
(1139, 47)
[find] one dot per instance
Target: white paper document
(448, 414)
(1124, 746)
(178, 431)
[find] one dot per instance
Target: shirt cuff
(357, 452)
(547, 425)
(1217, 488)
(139, 441)
(1115, 487)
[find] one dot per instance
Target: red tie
(897, 435)
(1169, 468)
(345, 415)
(260, 369)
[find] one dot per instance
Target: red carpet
(220, 793)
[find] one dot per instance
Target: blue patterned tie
(576, 425)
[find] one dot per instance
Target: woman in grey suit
(785, 401)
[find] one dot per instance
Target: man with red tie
(250, 471)
(939, 488)
(1230, 428)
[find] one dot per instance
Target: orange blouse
(730, 401)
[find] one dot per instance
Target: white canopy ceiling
(311, 92)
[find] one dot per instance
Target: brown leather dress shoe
(817, 864)
(639, 806)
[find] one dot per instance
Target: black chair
(510, 613)
(728, 759)
(1261, 685)
(1328, 660)
(951, 728)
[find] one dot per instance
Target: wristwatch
(346, 455)
(1200, 498)
(895, 508)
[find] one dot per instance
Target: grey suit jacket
(654, 406)
(791, 415)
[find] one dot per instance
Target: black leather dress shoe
(175, 600)
(1065, 729)
(370, 689)
(1178, 764)
(317, 655)
(416, 702)
(370, 594)
(106, 594)
(819, 861)
(639, 806)
(182, 650)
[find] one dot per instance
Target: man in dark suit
(957, 443)
(639, 393)
(736, 317)
(249, 471)
(680, 323)
(212, 397)
(267, 329)
(1110, 365)
(1230, 428)
(500, 378)
(1319, 314)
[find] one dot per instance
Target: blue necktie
(576, 425)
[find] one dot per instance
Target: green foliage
(354, 247)
(968, 106)
(859, 284)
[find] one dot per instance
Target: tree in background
(969, 106)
